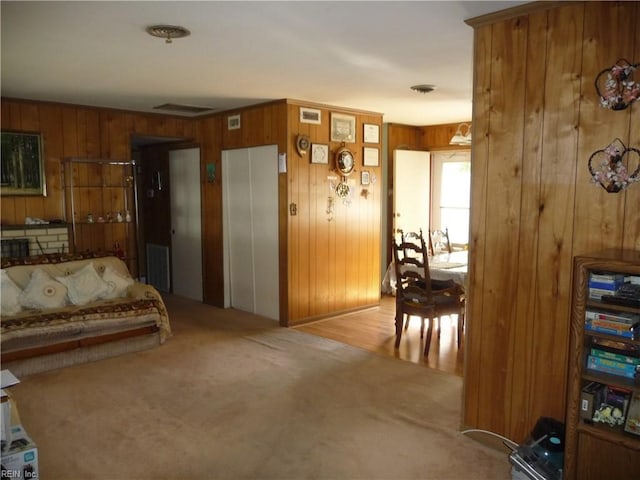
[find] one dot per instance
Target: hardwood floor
(374, 330)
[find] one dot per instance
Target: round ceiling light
(168, 32)
(424, 88)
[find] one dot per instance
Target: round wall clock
(345, 161)
(302, 144)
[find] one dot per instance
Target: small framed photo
(343, 128)
(233, 122)
(365, 178)
(319, 153)
(371, 133)
(22, 164)
(310, 115)
(370, 157)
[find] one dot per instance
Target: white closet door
(186, 223)
(250, 223)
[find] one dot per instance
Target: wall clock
(345, 161)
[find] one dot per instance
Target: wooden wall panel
(334, 257)
(536, 122)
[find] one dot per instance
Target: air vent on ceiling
(176, 107)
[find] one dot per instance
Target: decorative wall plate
(302, 144)
(609, 170)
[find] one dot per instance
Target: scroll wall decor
(607, 166)
(616, 87)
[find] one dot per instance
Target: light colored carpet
(234, 396)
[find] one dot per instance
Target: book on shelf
(619, 346)
(632, 423)
(617, 355)
(606, 277)
(621, 317)
(630, 333)
(612, 367)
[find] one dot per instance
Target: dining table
(442, 266)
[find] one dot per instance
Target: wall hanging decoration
(319, 153)
(616, 87)
(302, 144)
(343, 128)
(22, 164)
(607, 166)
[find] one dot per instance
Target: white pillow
(9, 293)
(43, 292)
(85, 285)
(117, 282)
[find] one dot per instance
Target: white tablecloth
(444, 266)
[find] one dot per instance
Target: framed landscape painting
(22, 167)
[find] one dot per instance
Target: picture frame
(234, 122)
(22, 164)
(365, 177)
(310, 115)
(371, 133)
(370, 158)
(343, 128)
(320, 153)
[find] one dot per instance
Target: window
(451, 193)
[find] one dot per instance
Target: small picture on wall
(343, 128)
(319, 153)
(370, 157)
(310, 115)
(365, 177)
(371, 133)
(22, 164)
(233, 122)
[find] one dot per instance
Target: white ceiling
(363, 55)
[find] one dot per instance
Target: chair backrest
(439, 241)
(411, 263)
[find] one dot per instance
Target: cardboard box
(20, 461)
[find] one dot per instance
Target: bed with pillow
(60, 310)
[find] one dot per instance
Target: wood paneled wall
(536, 122)
(334, 260)
(76, 131)
(325, 267)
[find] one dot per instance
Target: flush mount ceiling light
(424, 88)
(168, 32)
(462, 135)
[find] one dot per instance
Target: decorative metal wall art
(607, 166)
(616, 87)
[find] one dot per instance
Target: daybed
(60, 310)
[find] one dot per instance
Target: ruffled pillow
(43, 292)
(9, 293)
(118, 283)
(85, 285)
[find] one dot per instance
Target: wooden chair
(415, 295)
(439, 241)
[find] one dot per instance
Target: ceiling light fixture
(424, 88)
(461, 138)
(168, 32)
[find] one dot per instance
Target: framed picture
(319, 153)
(370, 157)
(371, 133)
(22, 164)
(343, 128)
(365, 177)
(233, 122)
(310, 115)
